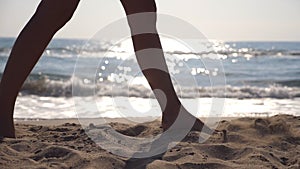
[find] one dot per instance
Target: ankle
(7, 128)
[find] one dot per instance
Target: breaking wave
(45, 86)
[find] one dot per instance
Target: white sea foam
(37, 107)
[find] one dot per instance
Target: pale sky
(234, 20)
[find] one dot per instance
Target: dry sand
(272, 142)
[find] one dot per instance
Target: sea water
(262, 78)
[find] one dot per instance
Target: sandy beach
(87, 84)
(272, 142)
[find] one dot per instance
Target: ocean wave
(82, 51)
(63, 88)
(237, 53)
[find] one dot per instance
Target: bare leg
(50, 16)
(158, 77)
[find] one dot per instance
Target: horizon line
(220, 40)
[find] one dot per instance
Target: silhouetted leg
(157, 76)
(49, 17)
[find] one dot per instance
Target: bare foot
(168, 121)
(200, 126)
